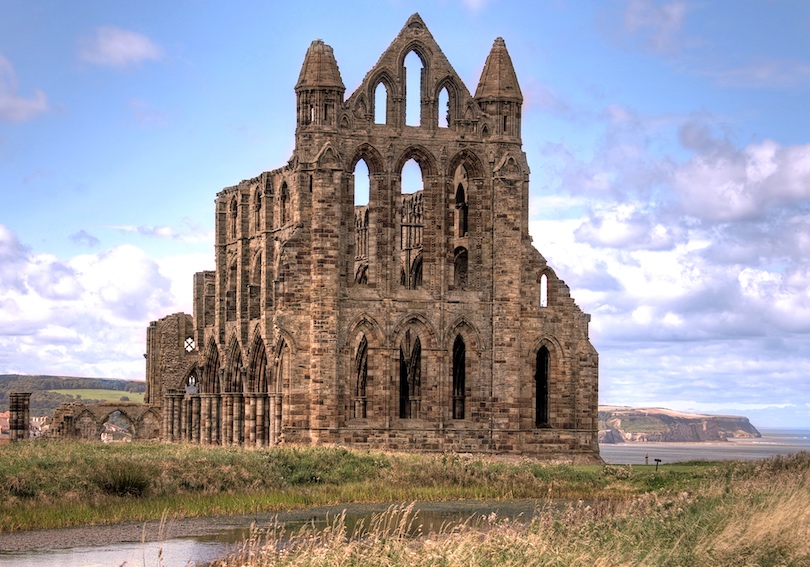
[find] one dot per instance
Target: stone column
(227, 419)
(177, 404)
(195, 418)
(275, 418)
(19, 415)
(238, 419)
(216, 411)
(261, 421)
(186, 419)
(205, 410)
(250, 419)
(166, 430)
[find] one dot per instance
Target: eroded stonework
(420, 320)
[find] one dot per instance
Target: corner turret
(319, 89)
(498, 92)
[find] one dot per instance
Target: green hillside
(49, 392)
(88, 394)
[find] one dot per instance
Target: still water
(772, 442)
(226, 536)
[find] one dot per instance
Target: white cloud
(189, 232)
(767, 74)
(116, 47)
(13, 106)
(653, 26)
(86, 315)
(729, 185)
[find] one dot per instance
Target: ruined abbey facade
(422, 319)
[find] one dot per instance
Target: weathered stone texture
(421, 320)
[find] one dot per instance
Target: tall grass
(743, 515)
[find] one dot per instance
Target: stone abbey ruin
(420, 320)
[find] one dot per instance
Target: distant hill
(44, 402)
(618, 424)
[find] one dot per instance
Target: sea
(772, 442)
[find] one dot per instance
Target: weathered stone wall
(456, 334)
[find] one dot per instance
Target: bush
(125, 478)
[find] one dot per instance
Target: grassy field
(733, 513)
(101, 395)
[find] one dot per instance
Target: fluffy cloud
(115, 47)
(694, 262)
(86, 315)
(15, 107)
(189, 231)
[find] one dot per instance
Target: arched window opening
(361, 229)
(362, 183)
(234, 213)
(381, 104)
(411, 224)
(117, 428)
(281, 374)
(543, 291)
(361, 378)
(189, 344)
(412, 181)
(410, 377)
(416, 273)
(445, 117)
(257, 373)
(257, 211)
(461, 211)
(191, 385)
(459, 377)
(541, 378)
(283, 198)
(460, 268)
(504, 124)
(230, 294)
(255, 289)
(413, 89)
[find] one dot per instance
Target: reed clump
(739, 514)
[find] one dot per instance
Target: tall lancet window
(544, 291)
(410, 376)
(461, 211)
(361, 378)
(541, 377)
(459, 377)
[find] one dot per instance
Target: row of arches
(262, 197)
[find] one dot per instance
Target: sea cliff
(619, 424)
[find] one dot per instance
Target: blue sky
(669, 144)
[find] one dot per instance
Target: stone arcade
(420, 320)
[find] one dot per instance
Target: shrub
(125, 478)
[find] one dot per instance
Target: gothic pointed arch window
(234, 215)
(410, 376)
(460, 268)
(361, 188)
(255, 289)
(361, 378)
(542, 371)
(381, 104)
(413, 71)
(411, 224)
(459, 377)
(445, 117)
(283, 204)
(544, 290)
(257, 211)
(230, 294)
(461, 211)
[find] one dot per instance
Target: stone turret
(319, 88)
(498, 92)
